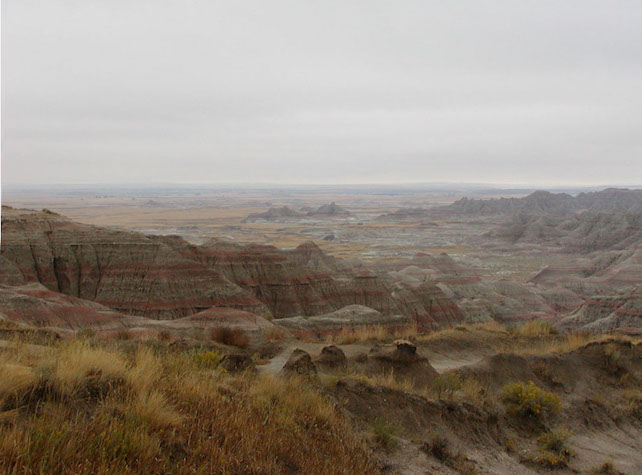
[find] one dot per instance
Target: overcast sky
(532, 92)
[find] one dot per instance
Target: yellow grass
(86, 409)
(537, 328)
(557, 344)
(376, 333)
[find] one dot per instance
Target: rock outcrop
(347, 317)
(583, 232)
(331, 357)
(127, 271)
(36, 306)
(607, 313)
(402, 360)
(273, 214)
(544, 202)
(331, 210)
(299, 364)
(164, 277)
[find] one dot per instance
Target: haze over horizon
(534, 93)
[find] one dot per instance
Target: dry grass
(558, 344)
(230, 336)
(463, 331)
(275, 334)
(375, 333)
(537, 329)
(86, 409)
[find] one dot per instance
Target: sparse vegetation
(385, 380)
(473, 391)
(446, 384)
(528, 400)
(275, 334)
(439, 447)
(607, 468)
(385, 435)
(613, 360)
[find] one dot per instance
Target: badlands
(321, 330)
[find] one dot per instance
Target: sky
(183, 91)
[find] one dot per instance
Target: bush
(208, 359)
(123, 335)
(439, 447)
(385, 434)
(613, 362)
(552, 447)
(447, 384)
(230, 336)
(528, 400)
(606, 468)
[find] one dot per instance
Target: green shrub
(447, 384)
(385, 434)
(552, 447)
(528, 400)
(208, 359)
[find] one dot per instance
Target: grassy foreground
(78, 408)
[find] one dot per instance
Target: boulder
(300, 363)
(331, 357)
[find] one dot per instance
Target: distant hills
(331, 210)
(544, 202)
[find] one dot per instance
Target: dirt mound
(35, 305)
(222, 317)
(402, 360)
(346, 317)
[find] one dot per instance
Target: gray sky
(541, 92)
